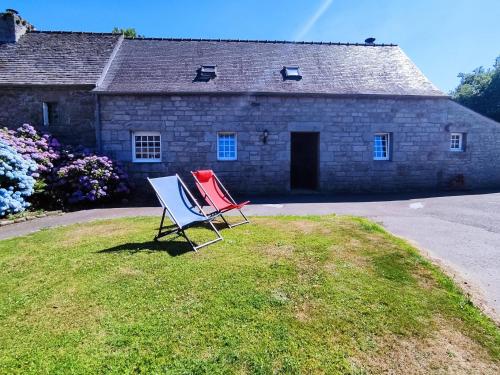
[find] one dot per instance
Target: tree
(127, 33)
(480, 90)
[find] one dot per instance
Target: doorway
(304, 160)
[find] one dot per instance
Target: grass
(281, 295)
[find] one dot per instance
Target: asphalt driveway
(460, 232)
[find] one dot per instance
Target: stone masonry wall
(75, 110)
(420, 130)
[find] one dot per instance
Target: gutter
(263, 93)
(98, 136)
(48, 85)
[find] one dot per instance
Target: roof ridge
(71, 32)
(226, 40)
(268, 41)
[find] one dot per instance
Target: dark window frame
(206, 72)
(50, 113)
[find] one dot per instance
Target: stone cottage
(268, 116)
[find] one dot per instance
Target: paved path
(460, 232)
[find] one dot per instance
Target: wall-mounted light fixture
(265, 134)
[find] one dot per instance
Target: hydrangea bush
(16, 180)
(55, 175)
(89, 178)
(44, 150)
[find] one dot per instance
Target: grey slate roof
(169, 66)
(55, 58)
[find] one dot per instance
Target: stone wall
(75, 110)
(420, 130)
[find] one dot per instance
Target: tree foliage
(480, 90)
(128, 33)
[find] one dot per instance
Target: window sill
(145, 161)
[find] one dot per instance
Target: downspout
(98, 127)
(98, 136)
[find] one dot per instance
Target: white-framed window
(227, 146)
(456, 142)
(49, 113)
(382, 146)
(146, 147)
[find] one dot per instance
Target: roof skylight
(291, 72)
(207, 72)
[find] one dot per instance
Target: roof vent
(370, 40)
(206, 73)
(291, 72)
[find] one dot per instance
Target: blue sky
(443, 37)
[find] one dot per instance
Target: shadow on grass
(173, 244)
(219, 225)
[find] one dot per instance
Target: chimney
(12, 26)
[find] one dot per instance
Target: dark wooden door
(304, 160)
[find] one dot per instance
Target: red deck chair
(217, 196)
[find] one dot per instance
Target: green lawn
(281, 295)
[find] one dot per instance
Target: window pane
(292, 71)
(381, 146)
(226, 146)
(456, 142)
(147, 147)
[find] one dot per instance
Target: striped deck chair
(171, 192)
(217, 196)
